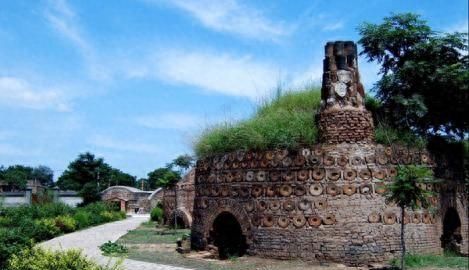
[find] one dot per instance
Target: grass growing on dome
(286, 121)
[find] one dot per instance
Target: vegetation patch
(284, 122)
(21, 227)
(113, 249)
(39, 258)
(434, 261)
(288, 121)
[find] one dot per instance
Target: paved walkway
(90, 239)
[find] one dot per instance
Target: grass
(418, 261)
(148, 234)
(158, 245)
(287, 121)
(284, 122)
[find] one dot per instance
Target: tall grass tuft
(286, 121)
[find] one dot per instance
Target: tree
(405, 192)
(44, 175)
(423, 86)
(163, 177)
(90, 175)
(183, 162)
(17, 176)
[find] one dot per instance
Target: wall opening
(177, 221)
(451, 239)
(227, 236)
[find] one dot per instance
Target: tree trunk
(402, 237)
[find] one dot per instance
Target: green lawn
(418, 261)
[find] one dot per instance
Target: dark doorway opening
(451, 239)
(177, 222)
(227, 236)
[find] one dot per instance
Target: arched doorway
(451, 238)
(227, 236)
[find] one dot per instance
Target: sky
(135, 82)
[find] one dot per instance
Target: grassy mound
(284, 122)
(288, 122)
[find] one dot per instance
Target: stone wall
(323, 203)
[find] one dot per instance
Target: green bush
(156, 214)
(113, 249)
(66, 224)
(38, 258)
(12, 241)
(45, 229)
(22, 226)
(82, 218)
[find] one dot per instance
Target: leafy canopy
(424, 74)
(18, 175)
(90, 175)
(404, 190)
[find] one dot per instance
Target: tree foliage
(163, 177)
(424, 74)
(90, 175)
(17, 176)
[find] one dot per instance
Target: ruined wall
(324, 203)
(183, 206)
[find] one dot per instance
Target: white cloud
(461, 27)
(177, 121)
(62, 18)
(311, 76)
(17, 92)
(64, 21)
(212, 72)
(333, 26)
(232, 17)
(108, 142)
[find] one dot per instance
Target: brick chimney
(343, 116)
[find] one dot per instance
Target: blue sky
(136, 81)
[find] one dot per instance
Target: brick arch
(232, 208)
(183, 214)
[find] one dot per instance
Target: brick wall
(323, 203)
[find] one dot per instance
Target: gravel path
(90, 239)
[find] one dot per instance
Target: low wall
(14, 198)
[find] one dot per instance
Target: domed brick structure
(321, 203)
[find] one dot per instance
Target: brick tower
(343, 116)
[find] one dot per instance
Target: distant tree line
(16, 176)
(89, 175)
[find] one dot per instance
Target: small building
(132, 200)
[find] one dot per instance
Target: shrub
(82, 218)
(45, 229)
(156, 214)
(12, 241)
(112, 215)
(66, 224)
(113, 249)
(38, 258)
